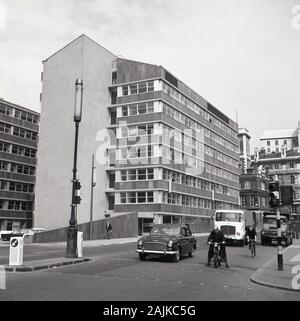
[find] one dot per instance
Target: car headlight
(170, 243)
(140, 242)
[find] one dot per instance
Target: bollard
(2, 278)
(79, 243)
(16, 251)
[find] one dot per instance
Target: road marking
(225, 286)
(179, 281)
(157, 280)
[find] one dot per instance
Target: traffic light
(274, 194)
(77, 192)
(286, 195)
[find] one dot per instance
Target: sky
(243, 56)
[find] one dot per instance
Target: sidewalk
(105, 242)
(39, 264)
(289, 278)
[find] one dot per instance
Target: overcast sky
(238, 54)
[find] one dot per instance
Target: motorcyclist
(217, 236)
(251, 236)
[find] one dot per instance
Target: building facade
(19, 129)
(254, 193)
(161, 150)
(273, 141)
(283, 162)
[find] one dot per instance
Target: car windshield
(272, 220)
(228, 216)
(166, 230)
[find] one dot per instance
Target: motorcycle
(216, 254)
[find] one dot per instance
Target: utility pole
(279, 246)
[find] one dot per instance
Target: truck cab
(269, 230)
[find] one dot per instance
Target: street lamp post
(73, 229)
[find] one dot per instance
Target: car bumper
(156, 252)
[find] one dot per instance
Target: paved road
(117, 274)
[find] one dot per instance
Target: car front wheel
(176, 257)
(142, 256)
(191, 254)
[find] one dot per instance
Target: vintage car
(169, 241)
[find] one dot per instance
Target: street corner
(288, 278)
(45, 264)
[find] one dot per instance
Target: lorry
(234, 223)
(269, 229)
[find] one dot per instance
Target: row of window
(138, 88)
(17, 168)
(198, 110)
(17, 131)
(137, 174)
(16, 187)
(287, 179)
(221, 173)
(198, 183)
(192, 201)
(253, 201)
(276, 142)
(178, 157)
(18, 150)
(136, 197)
(137, 130)
(16, 205)
(220, 156)
(138, 109)
(190, 123)
(136, 151)
(9, 111)
(248, 185)
(290, 165)
(181, 158)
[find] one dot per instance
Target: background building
(285, 163)
(19, 128)
(273, 141)
(254, 193)
(162, 151)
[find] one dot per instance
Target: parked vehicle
(269, 230)
(167, 240)
(7, 235)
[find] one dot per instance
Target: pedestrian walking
(108, 228)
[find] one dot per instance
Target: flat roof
(279, 133)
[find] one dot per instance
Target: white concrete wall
(84, 59)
